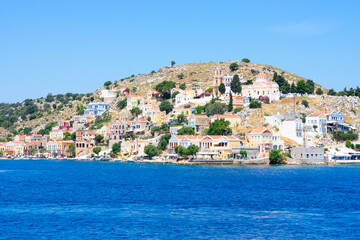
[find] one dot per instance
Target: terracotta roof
(21, 136)
(317, 113)
(154, 91)
(262, 74)
(190, 137)
(226, 116)
(37, 135)
(258, 130)
(33, 143)
(290, 120)
(200, 116)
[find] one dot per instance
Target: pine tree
(230, 107)
(222, 88)
(293, 88)
(235, 84)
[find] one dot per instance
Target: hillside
(201, 74)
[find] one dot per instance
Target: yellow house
(261, 138)
(218, 146)
(188, 112)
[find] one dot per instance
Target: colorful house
(261, 138)
(218, 146)
(134, 101)
(96, 109)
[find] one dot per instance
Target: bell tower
(218, 79)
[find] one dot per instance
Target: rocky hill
(200, 74)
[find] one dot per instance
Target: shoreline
(262, 162)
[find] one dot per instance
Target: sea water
(103, 200)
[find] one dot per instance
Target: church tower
(218, 79)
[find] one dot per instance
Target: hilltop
(35, 114)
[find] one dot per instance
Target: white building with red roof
(262, 86)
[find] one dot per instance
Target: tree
(230, 107)
(27, 130)
(180, 150)
(235, 84)
(116, 147)
(254, 104)
(245, 60)
(135, 111)
(293, 88)
(285, 88)
(348, 144)
(71, 150)
(181, 118)
(301, 87)
(275, 157)
(192, 150)
(199, 109)
(311, 86)
(182, 86)
(222, 88)
(164, 141)
(67, 136)
(151, 151)
(234, 67)
(243, 153)
(319, 91)
(219, 127)
(99, 138)
(174, 94)
(215, 108)
(96, 150)
(180, 76)
(186, 131)
(80, 109)
(165, 87)
(331, 92)
(172, 63)
(32, 151)
(122, 103)
(305, 103)
(166, 106)
(49, 98)
(107, 84)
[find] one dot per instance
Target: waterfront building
(218, 146)
(14, 148)
(119, 129)
(261, 138)
(85, 142)
(37, 145)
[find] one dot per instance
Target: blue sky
(75, 46)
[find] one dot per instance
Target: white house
(292, 129)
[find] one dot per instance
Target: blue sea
(104, 200)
